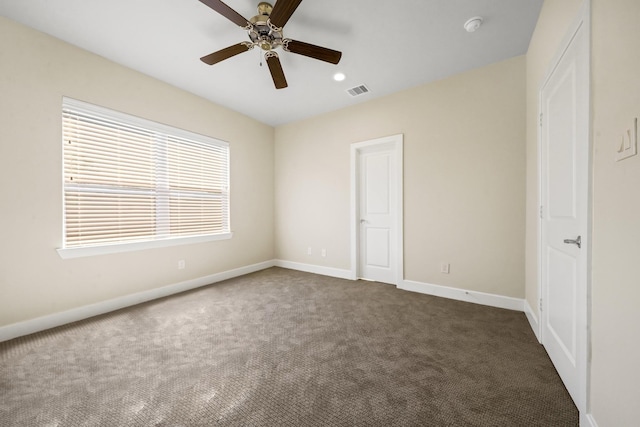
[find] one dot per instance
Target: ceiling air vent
(358, 90)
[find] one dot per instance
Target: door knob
(363, 221)
(577, 242)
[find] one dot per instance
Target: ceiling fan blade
(312, 51)
(227, 12)
(282, 11)
(273, 61)
(226, 53)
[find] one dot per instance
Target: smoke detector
(473, 24)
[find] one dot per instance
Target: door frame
(394, 143)
(583, 309)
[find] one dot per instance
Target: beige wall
(36, 71)
(616, 215)
(464, 179)
(615, 283)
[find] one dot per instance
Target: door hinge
(540, 119)
(540, 303)
(541, 212)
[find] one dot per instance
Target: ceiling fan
(265, 31)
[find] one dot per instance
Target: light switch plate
(629, 142)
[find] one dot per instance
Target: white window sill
(84, 251)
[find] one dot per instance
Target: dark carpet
(286, 348)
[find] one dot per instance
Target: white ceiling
(387, 45)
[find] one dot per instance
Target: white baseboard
(533, 319)
(316, 269)
(62, 318)
(588, 421)
(492, 300)
(58, 319)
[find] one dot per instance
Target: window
(128, 180)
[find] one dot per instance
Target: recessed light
(339, 77)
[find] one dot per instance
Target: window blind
(129, 180)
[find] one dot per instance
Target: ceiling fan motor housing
(262, 34)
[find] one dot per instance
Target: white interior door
(564, 103)
(377, 213)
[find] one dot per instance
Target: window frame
(166, 130)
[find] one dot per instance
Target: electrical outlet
(323, 253)
(309, 250)
(181, 264)
(444, 268)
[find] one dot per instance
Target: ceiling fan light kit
(265, 31)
